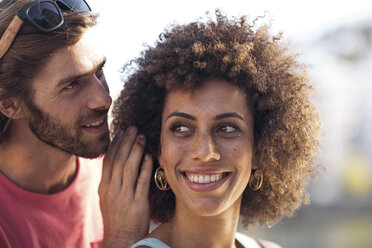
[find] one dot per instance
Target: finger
(144, 179)
(114, 146)
(109, 157)
(130, 172)
(121, 157)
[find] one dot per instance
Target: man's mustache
(93, 114)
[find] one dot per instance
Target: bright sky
(125, 26)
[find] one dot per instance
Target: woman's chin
(204, 206)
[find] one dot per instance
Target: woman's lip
(205, 187)
(203, 171)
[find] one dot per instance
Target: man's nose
(99, 97)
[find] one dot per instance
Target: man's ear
(11, 108)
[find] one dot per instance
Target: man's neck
(34, 165)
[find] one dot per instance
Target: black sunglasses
(45, 15)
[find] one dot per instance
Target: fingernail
(131, 129)
(147, 157)
(117, 134)
(141, 139)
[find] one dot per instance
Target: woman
(229, 122)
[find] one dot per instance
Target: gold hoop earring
(255, 182)
(160, 180)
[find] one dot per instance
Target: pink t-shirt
(70, 218)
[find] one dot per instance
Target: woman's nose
(204, 149)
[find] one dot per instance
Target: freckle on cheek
(235, 153)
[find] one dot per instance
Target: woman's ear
(160, 160)
(254, 159)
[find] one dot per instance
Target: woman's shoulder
(247, 241)
(268, 244)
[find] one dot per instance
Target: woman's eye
(228, 129)
(180, 128)
(183, 129)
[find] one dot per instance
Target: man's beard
(54, 133)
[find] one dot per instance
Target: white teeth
(213, 178)
(207, 179)
(204, 178)
(95, 124)
(201, 179)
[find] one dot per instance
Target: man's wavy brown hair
(286, 123)
(31, 50)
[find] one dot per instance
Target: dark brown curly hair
(286, 123)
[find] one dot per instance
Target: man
(53, 117)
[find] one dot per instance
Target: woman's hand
(124, 190)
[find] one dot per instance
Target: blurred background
(335, 38)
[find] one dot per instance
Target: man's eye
(71, 85)
(99, 72)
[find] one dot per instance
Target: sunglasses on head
(45, 15)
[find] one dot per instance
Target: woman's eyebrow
(181, 114)
(229, 115)
(218, 117)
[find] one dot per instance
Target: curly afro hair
(286, 123)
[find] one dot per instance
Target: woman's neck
(189, 230)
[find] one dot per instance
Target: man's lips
(95, 123)
(97, 126)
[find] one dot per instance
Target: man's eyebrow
(77, 76)
(229, 115)
(181, 114)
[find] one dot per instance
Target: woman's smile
(206, 182)
(204, 179)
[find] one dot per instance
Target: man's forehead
(80, 58)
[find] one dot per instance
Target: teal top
(150, 242)
(156, 243)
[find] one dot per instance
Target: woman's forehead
(214, 96)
